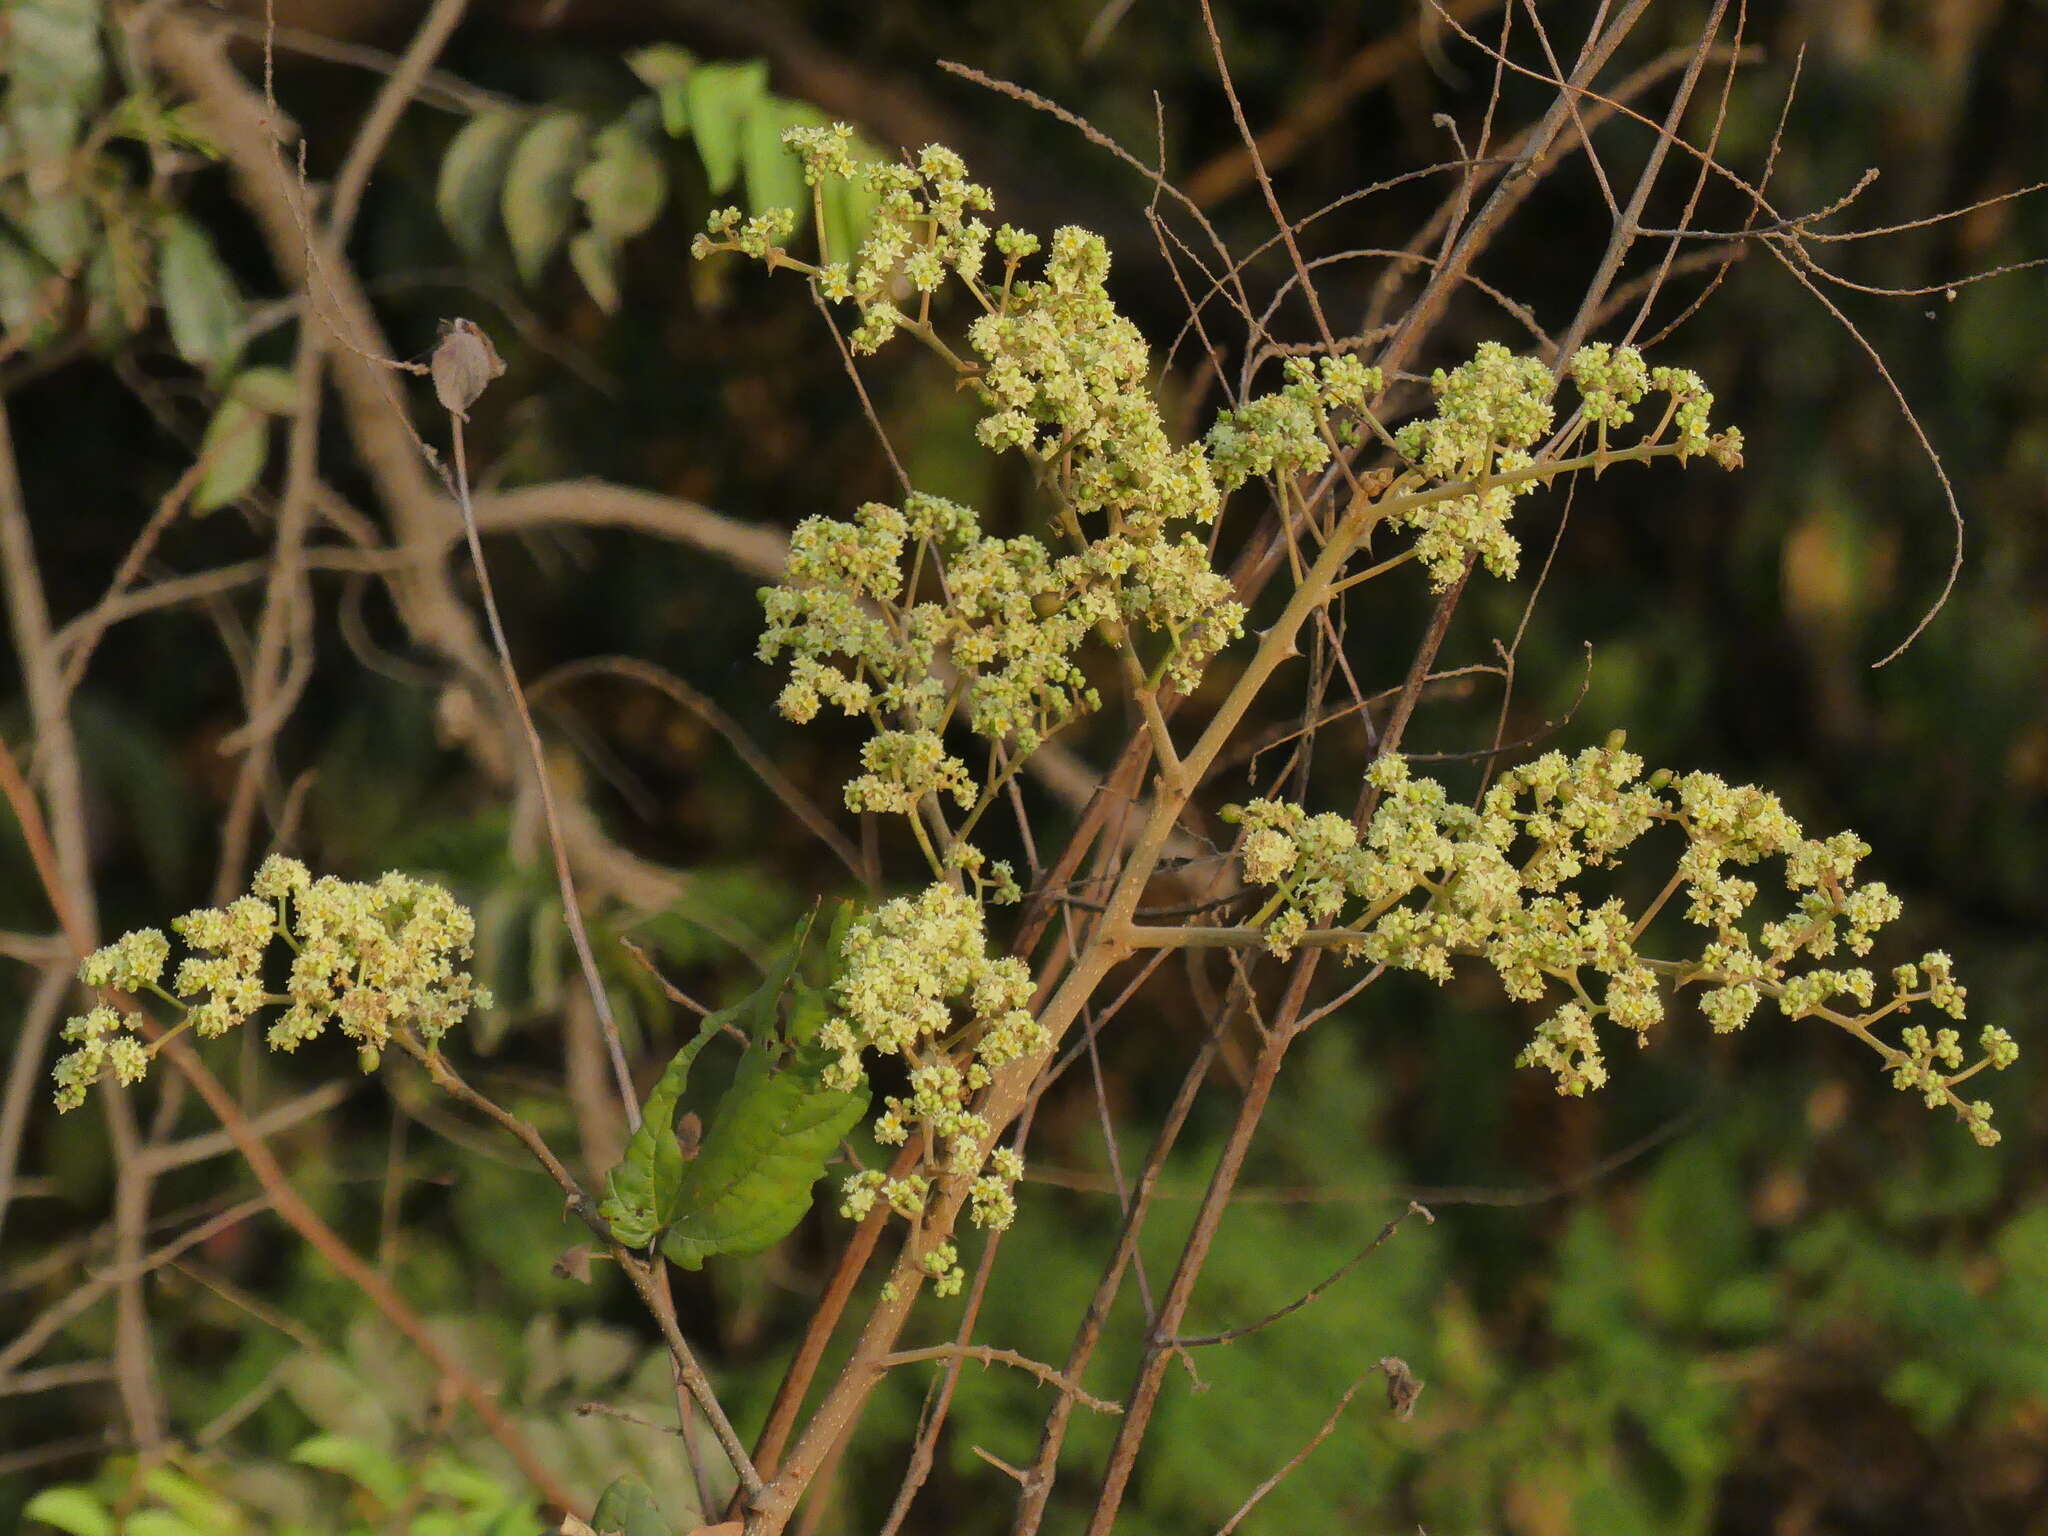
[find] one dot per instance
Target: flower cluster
(918, 984)
(913, 616)
(1492, 411)
(1429, 880)
(1291, 433)
(369, 957)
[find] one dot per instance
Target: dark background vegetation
(1806, 1306)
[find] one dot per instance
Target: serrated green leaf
(627, 1508)
(472, 178)
(767, 1146)
(721, 99)
(361, 1463)
(775, 177)
(642, 1197)
(235, 449)
(76, 1511)
(640, 1192)
(624, 185)
(539, 197)
(201, 302)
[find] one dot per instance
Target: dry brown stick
(24, 1072)
(779, 784)
(1159, 1346)
(286, 606)
(168, 506)
(1629, 223)
(1037, 1486)
(1415, 1208)
(1231, 171)
(65, 860)
(43, 1327)
(1448, 276)
(988, 1355)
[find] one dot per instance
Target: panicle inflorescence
(919, 984)
(1430, 880)
(370, 957)
(915, 612)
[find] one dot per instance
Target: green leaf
(235, 448)
(201, 302)
(665, 69)
(31, 295)
(591, 258)
(195, 1503)
(539, 194)
(77, 1511)
(640, 1192)
(158, 1522)
(751, 1182)
(337, 1400)
(643, 1193)
(775, 177)
(361, 1463)
(624, 185)
(142, 117)
(467, 192)
(849, 209)
(54, 69)
(721, 99)
(627, 1508)
(274, 390)
(60, 227)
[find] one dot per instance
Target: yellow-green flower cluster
(1489, 413)
(1613, 380)
(917, 983)
(1430, 880)
(369, 957)
(1492, 411)
(1290, 433)
(881, 600)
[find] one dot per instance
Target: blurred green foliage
(1801, 1307)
